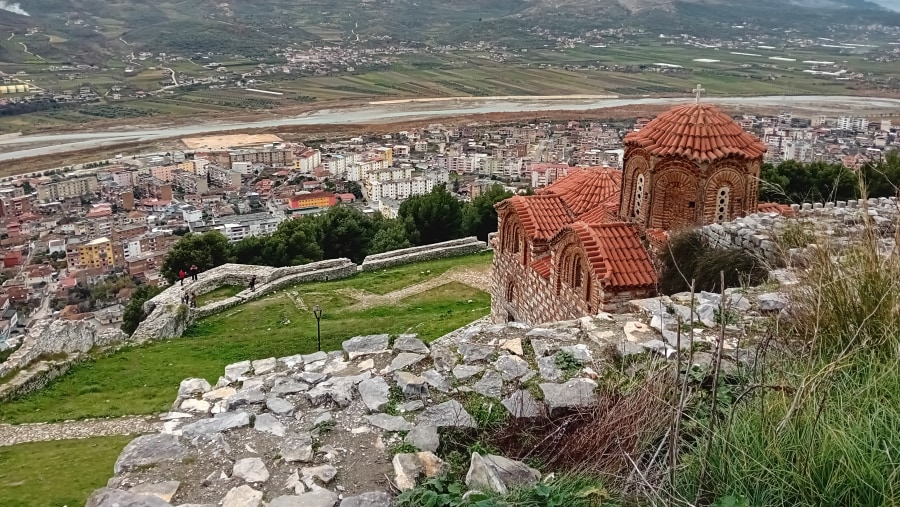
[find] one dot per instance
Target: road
(44, 144)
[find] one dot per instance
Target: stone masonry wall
(835, 222)
(443, 250)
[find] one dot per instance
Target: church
(580, 246)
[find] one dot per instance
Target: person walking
(194, 271)
(181, 275)
(193, 300)
(253, 283)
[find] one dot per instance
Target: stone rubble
(317, 429)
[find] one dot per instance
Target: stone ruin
(318, 430)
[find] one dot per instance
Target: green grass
(219, 294)
(53, 474)
(144, 379)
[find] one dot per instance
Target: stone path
(477, 278)
(43, 432)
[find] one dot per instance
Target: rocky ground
(340, 428)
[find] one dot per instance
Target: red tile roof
(583, 190)
(542, 266)
(774, 207)
(541, 215)
(615, 254)
(698, 132)
(600, 215)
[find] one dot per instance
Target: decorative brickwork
(576, 247)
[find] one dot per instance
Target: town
(77, 240)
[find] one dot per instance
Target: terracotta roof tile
(698, 132)
(600, 215)
(615, 254)
(774, 207)
(541, 215)
(585, 189)
(542, 266)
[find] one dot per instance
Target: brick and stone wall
(443, 250)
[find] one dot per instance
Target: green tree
(391, 235)
(206, 251)
(27, 188)
(296, 241)
(346, 232)
(480, 217)
(134, 311)
(354, 188)
(433, 217)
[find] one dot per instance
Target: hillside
(195, 25)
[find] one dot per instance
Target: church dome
(697, 132)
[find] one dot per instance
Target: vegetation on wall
(796, 182)
(688, 256)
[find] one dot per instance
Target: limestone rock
(244, 397)
(250, 470)
(522, 405)
(287, 385)
(365, 345)
(511, 367)
(449, 414)
(410, 343)
(216, 424)
(436, 380)
(638, 332)
(106, 497)
(472, 352)
(404, 360)
(315, 357)
(317, 498)
(547, 368)
(237, 370)
(291, 362)
(499, 474)
(411, 385)
(389, 422)
(194, 405)
(312, 378)
(514, 345)
(219, 394)
(408, 467)
(772, 301)
(465, 371)
(162, 490)
(444, 358)
(242, 496)
(279, 406)
(374, 393)
(576, 393)
(269, 424)
(324, 473)
(150, 450)
(263, 366)
(540, 347)
(410, 406)
(490, 385)
(371, 499)
(424, 437)
(297, 448)
(192, 386)
(580, 352)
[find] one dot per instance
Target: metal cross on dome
(697, 91)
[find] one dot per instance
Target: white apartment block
(400, 189)
(852, 123)
(308, 160)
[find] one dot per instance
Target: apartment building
(75, 187)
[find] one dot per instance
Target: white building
(852, 123)
(400, 189)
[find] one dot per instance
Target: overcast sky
(890, 4)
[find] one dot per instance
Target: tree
(27, 188)
(391, 235)
(346, 232)
(354, 188)
(480, 217)
(433, 217)
(134, 311)
(206, 251)
(296, 241)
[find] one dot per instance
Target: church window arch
(638, 196)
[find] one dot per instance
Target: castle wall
(443, 250)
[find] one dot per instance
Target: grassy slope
(142, 380)
(53, 474)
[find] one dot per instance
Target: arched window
(577, 279)
(722, 204)
(511, 292)
(638, 196)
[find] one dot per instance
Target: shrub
(688, 256)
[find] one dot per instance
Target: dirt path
(43, 432)
(479, 278)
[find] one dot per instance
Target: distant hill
(253, 26)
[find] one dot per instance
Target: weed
(566, 362)
(487, 412)
(325, 427)
(402, 448)
(395, 398)
(728, 317)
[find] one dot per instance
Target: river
(17, 147)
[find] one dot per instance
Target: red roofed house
(576, 248)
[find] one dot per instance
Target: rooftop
(697, 132)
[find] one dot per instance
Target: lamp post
(317, 311)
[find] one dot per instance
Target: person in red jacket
(181, 275)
